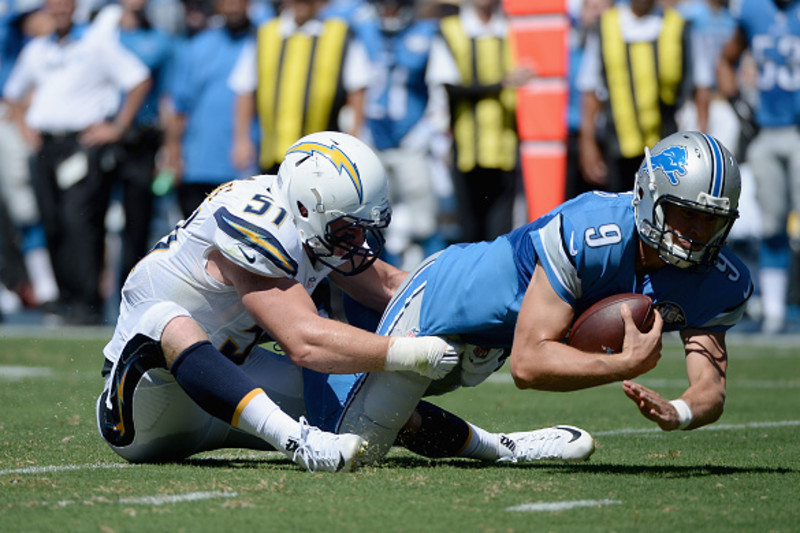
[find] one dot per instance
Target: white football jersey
(248, 225)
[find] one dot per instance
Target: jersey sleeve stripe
(726, 319)
(557, 263)
(256, 239)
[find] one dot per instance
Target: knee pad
(379, 406)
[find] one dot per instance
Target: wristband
(401, 354)
(684, 413)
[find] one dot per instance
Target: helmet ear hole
(302, 210)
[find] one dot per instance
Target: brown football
(601, 328)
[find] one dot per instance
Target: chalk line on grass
(712, 427)
(559, 506)
(161, 499)
(61, 468)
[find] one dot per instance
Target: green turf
(743, 474)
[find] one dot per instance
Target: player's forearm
(554, 366)
(133, 102)
(706, 402)
(726, 78)
(333, 347)
(374, 287)
(243, 112)
(727, 83)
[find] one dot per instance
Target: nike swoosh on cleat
(341, 462)
(575, 434)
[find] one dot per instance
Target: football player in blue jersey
(771, 30)
(516, 297)
(400, 124)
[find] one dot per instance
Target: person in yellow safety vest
(636, 71)
(303, 70)
(471, 68)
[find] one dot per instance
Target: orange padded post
(541, 108)
(544, 174)
(540, 36)
(541, 44)
(534, 7)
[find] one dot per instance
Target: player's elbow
(300, 347)
(302, 356)
(712, 412)
(525, 376)
(717, 407)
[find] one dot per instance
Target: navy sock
(212, 380)
(442, 433)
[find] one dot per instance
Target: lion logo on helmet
(672, 162)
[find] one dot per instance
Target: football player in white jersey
(184, 369)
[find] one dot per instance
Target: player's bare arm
(706, 366)
(283, 308)
(727, 81)
(540, 360)
(374, 287)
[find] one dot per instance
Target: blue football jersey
(155, 49)
(588, 249)
(200, 91)
(11, 38)
(398, 95)
(773, 36)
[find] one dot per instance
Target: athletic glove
(431, 357)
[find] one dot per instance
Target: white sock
(484, 445)
(263, 418)
(40, 272)
(774, 289)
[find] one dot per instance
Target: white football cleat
(320, 451)
(567, 443)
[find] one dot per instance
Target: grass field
(742, 474)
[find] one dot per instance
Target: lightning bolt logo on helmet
(672, 162)
(337, 157)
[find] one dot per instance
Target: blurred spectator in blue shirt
(582, 24)
(199, 137)
(397, 125)
(141, 141)
(770, 29)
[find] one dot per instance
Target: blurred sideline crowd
(118, 118)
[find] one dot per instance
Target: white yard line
(62, 468)
(161, 499)
(15, 373)
(712, 427)
(559, 506)
(18, 372)
(158, 499)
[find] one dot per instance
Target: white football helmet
(691, 170)
(331, 176)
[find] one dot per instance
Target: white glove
(431, 357)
